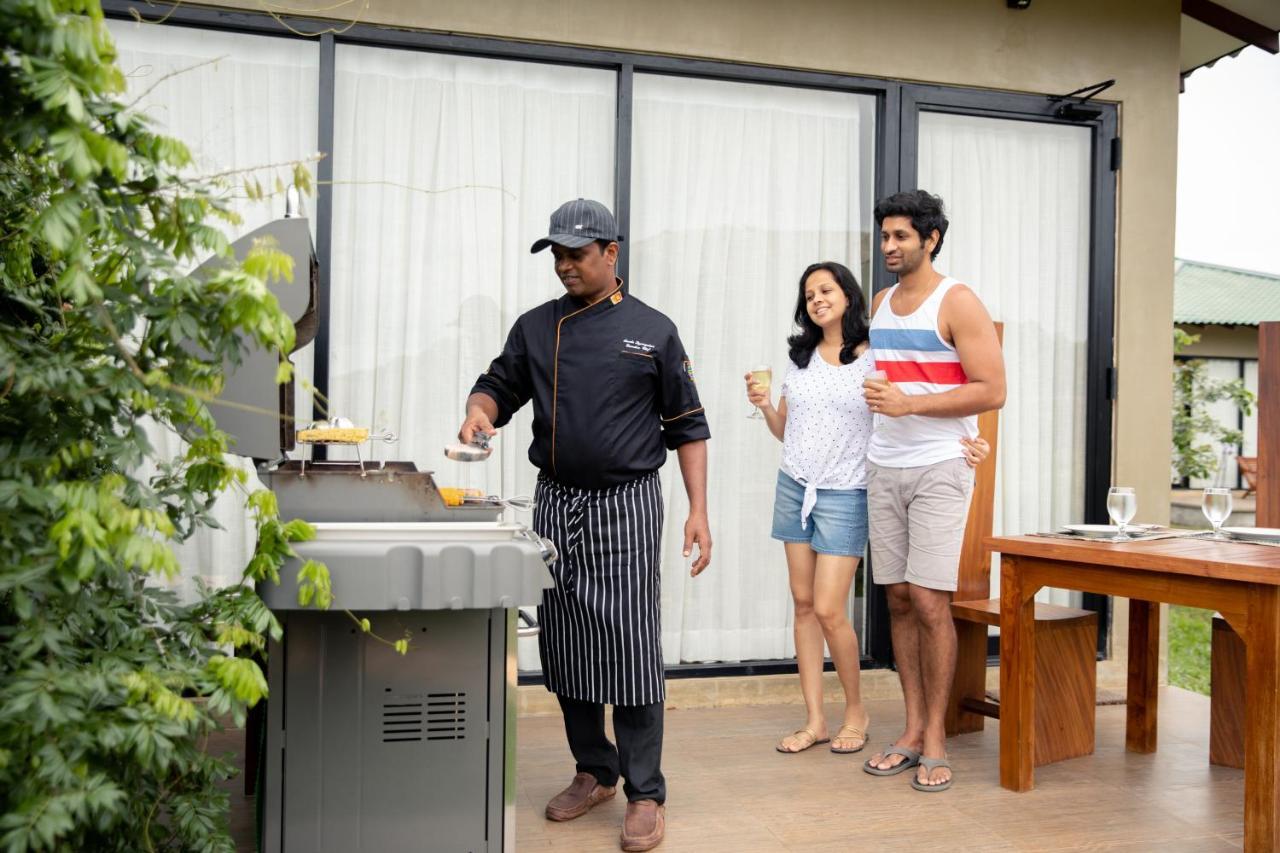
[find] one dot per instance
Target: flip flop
(854, 731)
(913, 758)
(930, 765)
(813, 741)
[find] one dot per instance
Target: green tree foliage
(1197, 435)
(101, 326)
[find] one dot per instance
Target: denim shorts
(837, 523)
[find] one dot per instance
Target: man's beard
(910, 263)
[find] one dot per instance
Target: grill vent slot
(440, 716)
(446, 716)
(401, 721)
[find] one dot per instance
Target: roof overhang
(1212, 29)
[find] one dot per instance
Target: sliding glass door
(1030, 199)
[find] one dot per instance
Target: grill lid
(251, 384)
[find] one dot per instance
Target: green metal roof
(1208, 294)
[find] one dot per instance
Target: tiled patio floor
(729, 791)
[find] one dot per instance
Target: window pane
(1251, 421)
(238, 102)
(736, 189)
(446, 169)
(1228, 416)
(1017, 196)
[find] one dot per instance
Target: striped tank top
(915, 357)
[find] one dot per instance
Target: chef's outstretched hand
(477, 421)
(698, 532)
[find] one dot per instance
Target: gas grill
(367, 749)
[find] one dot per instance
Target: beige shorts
(917, 518)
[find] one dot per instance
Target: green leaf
(241, 677)
(69, 146)
(297, 530)
(314, 585)
(59, 223)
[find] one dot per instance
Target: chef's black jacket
(611, 385)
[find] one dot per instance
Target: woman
(820, 508)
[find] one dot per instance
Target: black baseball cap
(577, 223)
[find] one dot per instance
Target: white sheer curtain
(237, 101)
(446, 169)
(736, 189)
(1017, 196)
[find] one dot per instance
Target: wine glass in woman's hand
(759, 380)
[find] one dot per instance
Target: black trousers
(638, 756)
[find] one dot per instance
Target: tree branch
(173, 73)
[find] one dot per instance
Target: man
(612, 391)
(938, 348)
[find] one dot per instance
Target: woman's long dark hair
(853, 324)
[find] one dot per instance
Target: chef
(612, 391)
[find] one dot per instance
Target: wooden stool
(1066, 677)
(1226, 692)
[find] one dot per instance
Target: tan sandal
(854, 732)
(802, 736)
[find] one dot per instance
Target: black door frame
(896, 134)
(1099, 373)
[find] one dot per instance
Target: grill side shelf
(444, 574)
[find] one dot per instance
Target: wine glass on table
(1122, 506)
(1216, 506)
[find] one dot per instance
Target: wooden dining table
(1241, 581)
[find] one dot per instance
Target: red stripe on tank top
(936, 372)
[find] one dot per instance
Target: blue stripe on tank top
(920, 340)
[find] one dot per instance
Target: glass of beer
(762, 378)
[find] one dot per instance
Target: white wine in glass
(761, 377)
(1122, 506)
(1216, 506)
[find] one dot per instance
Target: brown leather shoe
(578, 799)
(644, 825)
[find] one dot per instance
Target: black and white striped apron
(601, 635)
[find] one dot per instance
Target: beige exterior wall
(1052, 47)
(1222, 341)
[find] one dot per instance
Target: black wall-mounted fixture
(1074, 106)
(1018, 4)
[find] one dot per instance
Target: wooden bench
(1066, 677)
(1066, 638)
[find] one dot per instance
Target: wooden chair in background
(1249, 471)
(1066, 638)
